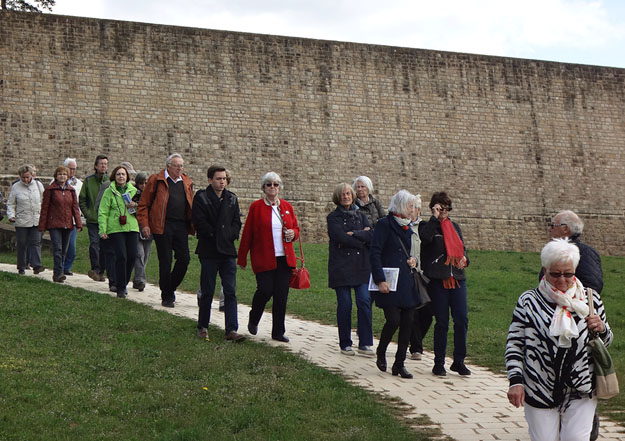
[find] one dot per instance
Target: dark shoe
(281, 338)
(93, 275)
(460, 368)
(222, 308)
(113, 288)
(59, 278)
(233, 336)
(138, 286)
(439, 370)
(253, 329)
(594, 433)
(381, 363)
(21, 272)
(122, 295)
(38, 270)
(101, 277)
(169, 304)
(68, 273)
(401, 371)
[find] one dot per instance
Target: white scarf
(573, 300)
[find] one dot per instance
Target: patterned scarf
(454, 248)
(563, 324)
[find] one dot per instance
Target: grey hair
(572, 220)
(141, 177)
(26, 168)
(365, 180)
(399, 202)
(559, 250)
(417, 201)
(68, 160)
(270, 177)
(172, 157)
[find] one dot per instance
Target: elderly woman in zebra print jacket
(548, 358)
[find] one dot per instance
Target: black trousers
(174, 241)
(423, 318)
(274, 283)
(396, 318)
(124, 246)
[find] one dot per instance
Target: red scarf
(454, 248)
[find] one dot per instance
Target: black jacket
(434, 254)
(217, 223)
(348, 257)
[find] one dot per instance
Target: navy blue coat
(387, 252)
(348, 257)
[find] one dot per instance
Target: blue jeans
(442, 301)
(344, 315)
(28, 247)
(60, 240)
(227, 268)
(71, 252)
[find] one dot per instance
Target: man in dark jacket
(568, 224)
(217, 220)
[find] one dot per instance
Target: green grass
(495, 280)
(75, 365)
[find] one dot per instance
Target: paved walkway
(471, 408)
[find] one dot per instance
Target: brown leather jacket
(153, 203)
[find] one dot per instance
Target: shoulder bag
(300, 278)
(606, 383)
(419, 279)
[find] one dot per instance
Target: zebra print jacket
(534, 359)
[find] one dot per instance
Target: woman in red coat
(59, 212)
(268, 235)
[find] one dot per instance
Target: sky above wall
(571, 31)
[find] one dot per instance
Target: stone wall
(511, 140)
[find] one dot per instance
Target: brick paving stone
(479, 400)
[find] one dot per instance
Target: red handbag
(300, 279)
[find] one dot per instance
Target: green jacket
(88, 196)
(112, 206)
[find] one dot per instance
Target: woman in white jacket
(23, 208)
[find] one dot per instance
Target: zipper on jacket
(438, 258)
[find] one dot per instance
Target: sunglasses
(552, 225)
(272, 184)
(558, 275)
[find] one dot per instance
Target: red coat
(59, 208)
(257, 237)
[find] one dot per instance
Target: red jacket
(59, 208)
(258, 237)
(153, 203)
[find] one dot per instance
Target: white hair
(399, 203)
(172, 157)
(68, 160)
(417, 201)
(559, 250)
(270, 177)
(366, 181)
(572, 220)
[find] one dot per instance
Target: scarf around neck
(404, 223)
(454, 248)
(563, 324)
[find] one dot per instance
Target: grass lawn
(495, 280)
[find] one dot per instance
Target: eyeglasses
(445, 209)
(558, 275)
(176, 166)
(272, 184)
(552, 225)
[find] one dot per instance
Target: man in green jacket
(87, 202)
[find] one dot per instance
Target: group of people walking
(412, 268)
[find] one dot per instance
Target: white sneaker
(367, 350)
(348, 351)
(415, 355)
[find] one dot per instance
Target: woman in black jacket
(348, 268)
(390, 248)
(443, 259)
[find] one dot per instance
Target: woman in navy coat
(349, 268)
(399, 305)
